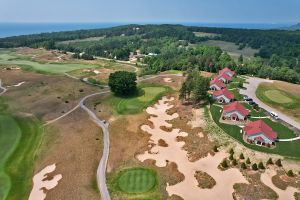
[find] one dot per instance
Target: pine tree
(231, 151)
(216, 149)
(224, 164)
(290, 173)
(278, 163)
(231, 157)
(270, 161)
(248, 161)
(243, 166)
(261, 165)
(234, 162)
(242, 156)
(254, 167)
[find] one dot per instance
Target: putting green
(278, 96)
(137, 180)
(137, 103)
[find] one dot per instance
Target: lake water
(15, 29)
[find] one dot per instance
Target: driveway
(250, 92)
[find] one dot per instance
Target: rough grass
(19, 139)
(148, 94)
(288, 149)
(281, 96)
(136, 180)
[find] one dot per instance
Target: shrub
(261, 165)
(231, 151)
(248, 161)
(254, 167)
(231, 157)
(242, 156)
(243, 166)
(216, 149)
(224, 164)
(278, 163)
(290, 173)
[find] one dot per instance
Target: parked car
(245, 97)
(274, 115)
(252, 103)
(248, 99)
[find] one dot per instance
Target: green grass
(287, 149)
(237, 94)
(19, 139)
(276, 97)
(137, 180)
(173, 71)
(148, 94)
(51, 68)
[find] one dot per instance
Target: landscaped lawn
(148, 94)
(136, 180)
(288, 149)
(19, 140)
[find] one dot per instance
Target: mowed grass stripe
(10, 135)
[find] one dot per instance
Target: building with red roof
(216, 84)
(224, 78)
(235, 111)
(227, 71)
(223, 96)
(260, 133)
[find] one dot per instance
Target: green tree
(290, 173)
(183, 91)
(278, 163)
(261, 165)
(231, 157)
(270, 161)
(241, 59)
(243, 166)
(242, 156)
(254, 167)
(201, 86)
(231, 151)
(216, 149)
(234, 162)
(248, 161)
(122, 83)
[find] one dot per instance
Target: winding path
(2, 88)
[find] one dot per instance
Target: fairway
(52, 68)
(278, 96)
(138, 180)
(19, 139)
(136, 104)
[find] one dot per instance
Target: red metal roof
(236, 106)
(227, 77)
(260, 126)
(224, 92)
(226, 70)
(217, 82)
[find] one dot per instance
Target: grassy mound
(135, 104)
(19, 139)
(136, 180)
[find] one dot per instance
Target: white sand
(40, 184)
(188, 189)
(266, 178)
(168, 80)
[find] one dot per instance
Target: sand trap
(168, 80)
(40, 184)
(187, 189)
(198, 118)
(266, 178)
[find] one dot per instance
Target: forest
(177, 47)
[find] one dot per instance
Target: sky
(151, 11)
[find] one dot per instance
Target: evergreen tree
(290, 173)
(278, 163)
(261, 165)
(248, 161)
(231, 151)
(234, 162)
(242, 156)
(224, 164)
(216, 149)
(243, 166)
(270, 161)
(254, 167)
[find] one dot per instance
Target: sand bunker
(40, 184)
(187, 189)
(266, 178)
(168, 80)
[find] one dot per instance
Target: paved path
(101, 171)
(2, 88)
(250, 92)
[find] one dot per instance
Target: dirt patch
(205, 181)
(174, 84)
(282, 181)
(162, 143)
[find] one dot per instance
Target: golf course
(19, 139)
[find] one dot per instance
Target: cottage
(224, 78)
(260, 133)
(223, 96)
(235, 111)
(216, 84)
(227, 71)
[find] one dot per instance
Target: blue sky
(205, 11)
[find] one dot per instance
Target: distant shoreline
(8, 29)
